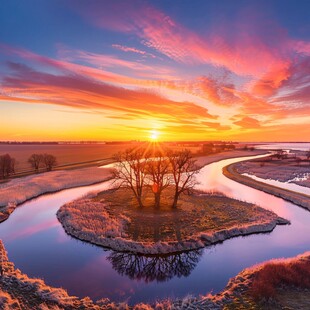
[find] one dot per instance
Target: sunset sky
(186, 70)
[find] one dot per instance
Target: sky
(178, 70)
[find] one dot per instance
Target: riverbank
(294, 197)
(6, 211)
(285, 170)
(20, 292)
(212, 158)
(112, 220)
(272, 285)
(20, 190)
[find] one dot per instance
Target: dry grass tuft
(277, 274)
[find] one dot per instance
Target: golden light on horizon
(154, 135)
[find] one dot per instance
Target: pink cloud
(104, 61)
(217, 91)
(256, 48)
(302, 47)
(77, 90)
(282, 92)
(247, 54)
(133, 50)
(65, 66)
(270, 83)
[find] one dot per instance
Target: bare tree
(157, 170)
(7, 165)
(131, 171)
(136, 170)
(49, 161)
(183, 170)
(35, 161)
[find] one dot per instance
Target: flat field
(65, 153)
(68, 154)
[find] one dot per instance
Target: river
(38, 245)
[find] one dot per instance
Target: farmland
(65, 153)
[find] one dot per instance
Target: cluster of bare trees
(7, 166)
(139, 170)
(48, 161)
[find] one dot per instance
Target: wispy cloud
(133, 50)
(246, 73)
(266, 58)
(74, 89)
(245, 53)
(110, 62)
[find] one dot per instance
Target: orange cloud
(277, 94)
(216, 126)
(81, 92)
(248, 122)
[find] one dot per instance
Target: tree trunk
(157, 200)
(175, 200)
(140, 202)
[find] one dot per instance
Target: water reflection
(155, 268)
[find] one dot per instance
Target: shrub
(276, 274)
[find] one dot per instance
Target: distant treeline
(7, 166)
(36, 161)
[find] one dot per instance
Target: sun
(154, 135)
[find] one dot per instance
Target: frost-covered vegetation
(6, 211)
(110, 220)
(87, 216)
(21, 189)
(283, 171)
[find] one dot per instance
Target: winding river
(38, 245)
